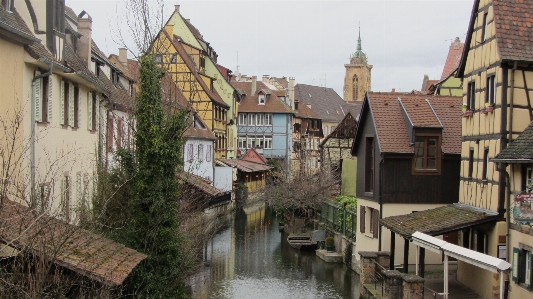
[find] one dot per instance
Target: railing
(339, 218)
(378, 277)
(432, 293)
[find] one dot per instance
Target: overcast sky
(312, 40)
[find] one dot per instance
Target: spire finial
(359, 39)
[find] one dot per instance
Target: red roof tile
(423, 111)
(453, 59)
(198, 130)
(245, 166)
(514, 28)
(250, 103)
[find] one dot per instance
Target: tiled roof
(196, 131)
(213, 95)
(353, 107)
(73, 61)
(345, 130)
(453, 59)
(324, 101)
(304, 111)
(423, 111)
(83, 252)
(69, 12)
(512, 21)
(428, 85)
(200, 183)
(521, 148)
(514, 32)
(12, 24)
(438, 221)
(250, 103)
(246, 166)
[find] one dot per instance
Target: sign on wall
(522, 212)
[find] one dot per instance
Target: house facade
(497, 80)
(306, 136)
(264, 122)
(408, 160)
(206, 58)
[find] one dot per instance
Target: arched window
(355, 88)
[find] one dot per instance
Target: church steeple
(359, 53)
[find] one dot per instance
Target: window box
(489, 108)
(468, 113)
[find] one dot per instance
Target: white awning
(478, 259)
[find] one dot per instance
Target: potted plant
(330, 244)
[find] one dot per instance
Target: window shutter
(97, 107)
(375, 223)
(110, 131)
(89, 111)
(63, 196)
(516, 257)
(62, 101)
(78, 100)
(78, 188)
(50, 98)
(38, 98)
(362, 219)
(69, 199)
(85, 189)
(71, 105)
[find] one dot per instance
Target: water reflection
(249, 258)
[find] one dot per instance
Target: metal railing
(378, 278)
(339, 218)
(429, 293)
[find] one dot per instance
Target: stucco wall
(199, 165)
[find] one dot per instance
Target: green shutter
(89, 111)
(516, 258)
(71, 105)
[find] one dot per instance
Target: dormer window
(426, 154)
(262, 99)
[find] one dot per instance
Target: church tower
(357, 78)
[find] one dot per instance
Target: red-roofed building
(306, 135)
(408, 151)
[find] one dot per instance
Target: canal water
(250, 258)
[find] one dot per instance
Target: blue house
(264, 122)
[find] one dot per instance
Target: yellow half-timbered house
(497, 73)
(185, 64)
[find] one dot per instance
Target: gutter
(55, 64)
(22, 34)
(380, 200)
(32, 137)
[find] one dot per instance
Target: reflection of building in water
(221, 250)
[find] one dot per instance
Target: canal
(249, 258)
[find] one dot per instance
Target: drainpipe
(380, 199)
(32, 137)
(510, 138)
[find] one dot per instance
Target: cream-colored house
(60, 97)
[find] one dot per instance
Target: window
(484, 30)
(485, 165)
(251, 119)
(242, 119)
(325, 130)
(120, 132)
(43, 99)
(355, 88)
(43, 196)
(480, 242)
(369, 165)
(268, 143)
(471, 163)
(174, 58)
(91, 111)
(332, 129)
(426, 153)
(200, 152)
(242, 143)
(268, 119)
(490, 93)
(208, 153)
(471, 96)
(297, 128)
(369, 217)
(7, 4)
(249, 143)
(76, 108)
(522, 266)
(64, 102)
(110, 131)
(202, 62)
(262, 99)
(526, 177)
(260, 119)
(190, 152)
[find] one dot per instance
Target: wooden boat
(301, 241)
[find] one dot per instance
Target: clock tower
(357, 78)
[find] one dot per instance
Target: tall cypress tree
(153, 225)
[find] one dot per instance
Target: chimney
(254, 84)
(393, 90)
(85, 28)
(291, 93)
(123, 57)
(177, 8)
(265, 79)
